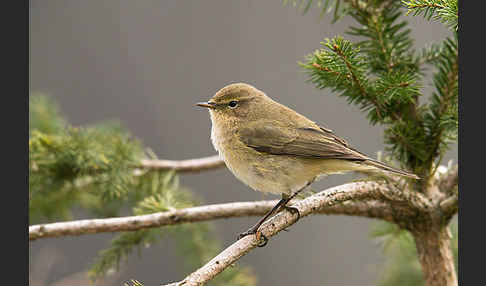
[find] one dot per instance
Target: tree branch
(371, 209)
(180, 166)
(330, 197)
(191, 165)
(448, 184)
(435, 255)
(132, 223)
(450, 181)
(450, 206)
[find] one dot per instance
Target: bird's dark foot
(248, 232)
(262, 239)
(293, 210)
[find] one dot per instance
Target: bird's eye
(233, 104)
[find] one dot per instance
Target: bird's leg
(254, 229)
(281, 204)
(294, 209)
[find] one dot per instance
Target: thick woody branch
(191, 165)
(450, 181)
(435, 255)
(450, 206)
(330, 197)
(371, 209)
(447, 184)
(399, 193)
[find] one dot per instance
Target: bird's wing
(318, 142)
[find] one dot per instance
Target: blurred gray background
(146, 63)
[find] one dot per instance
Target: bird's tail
(383, 166)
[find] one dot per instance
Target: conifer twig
(370, 209)
(181, 166)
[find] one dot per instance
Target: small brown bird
(274, 149)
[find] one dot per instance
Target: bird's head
(237, 102)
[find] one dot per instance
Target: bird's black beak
(208, 104)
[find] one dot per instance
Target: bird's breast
(218, 140)
(261, 171)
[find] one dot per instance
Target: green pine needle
(445, 11)
(44, 115)
(338, 7)
(133, 283)
(93, 167)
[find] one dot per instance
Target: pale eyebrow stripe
(242, 99)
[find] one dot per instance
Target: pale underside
(271, 173)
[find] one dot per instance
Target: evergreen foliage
(445, 11)
(92, 168)
(44, 115)
(326, 6)
(133, 282)
(383, 74)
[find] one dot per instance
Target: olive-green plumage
(272, 148)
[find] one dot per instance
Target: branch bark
(330, 197)
(391, 201)
(184, 166)
(450, 181)
(370, 209)
(447, 184)
(450, 206)
(435, 255)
